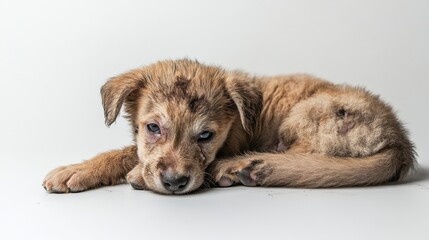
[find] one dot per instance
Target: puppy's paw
(72, 178)
(247, 172)
(135, 178)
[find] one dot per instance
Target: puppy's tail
(321, 171)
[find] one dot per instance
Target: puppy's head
(181, 113)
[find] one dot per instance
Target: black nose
(174, 183)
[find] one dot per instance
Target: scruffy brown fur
(196, 125)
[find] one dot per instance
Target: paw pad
(225, 182)
(249, 173)
(246, 178)
(137, 186)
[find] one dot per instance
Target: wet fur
(294, 130)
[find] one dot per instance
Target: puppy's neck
(237, 141)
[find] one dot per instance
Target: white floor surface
(119, 212)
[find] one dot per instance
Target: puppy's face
(182, 113)
(180, 126)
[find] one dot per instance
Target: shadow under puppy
(196, 124)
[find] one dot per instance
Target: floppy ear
(247, 98)
(117, 89)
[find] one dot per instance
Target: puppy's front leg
(135, 177)
(107, 168)
(249, 171)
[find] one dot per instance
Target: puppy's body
(194, 122)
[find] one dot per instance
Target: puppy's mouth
(173, 183)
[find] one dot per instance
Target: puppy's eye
(153, 128)
(205, 136)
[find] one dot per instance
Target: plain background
(55, 55)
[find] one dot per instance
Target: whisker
(209, 179)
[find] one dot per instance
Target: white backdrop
(55, 55)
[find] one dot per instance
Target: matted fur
(294, 130)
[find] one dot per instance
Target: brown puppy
(194, 122)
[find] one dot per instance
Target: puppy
(197, 125)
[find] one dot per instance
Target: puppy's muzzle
(173, 182)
